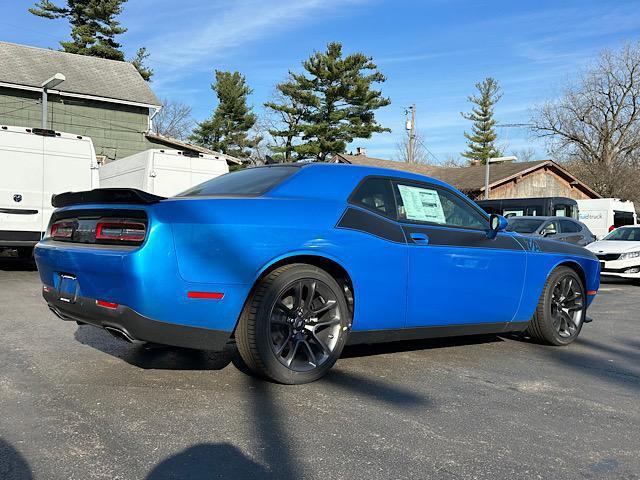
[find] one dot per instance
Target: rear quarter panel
(233, 241)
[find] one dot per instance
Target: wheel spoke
(321, 344)
(332, 321)
(311, 355)
(292, 353)
(284, 308)
(569, 321)
(575, 307)
(328, 305)
(284, 343)
(298, 295)
(311, 293)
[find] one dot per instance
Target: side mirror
(497, 223)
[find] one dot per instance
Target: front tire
(295, 325)
(561, 309)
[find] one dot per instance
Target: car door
(571, 232)
(457, 275)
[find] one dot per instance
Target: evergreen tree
(481, 141)
(287, 127)
(139, 62)
(94, 27)
(335, 101)
(227, 131)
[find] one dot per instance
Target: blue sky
(432, 52)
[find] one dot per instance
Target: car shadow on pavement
(383, 390)
(13, 465)
(276, 445)
(207, 461)
(151, 357)
(366, 350)
(597, 366)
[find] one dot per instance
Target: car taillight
(62, 230)
(120, 231)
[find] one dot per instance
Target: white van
(162, 172)
(34, 165)
(602, 215)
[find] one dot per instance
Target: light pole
(54, 81)
(510, 158)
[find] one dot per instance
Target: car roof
(544, 217)
(364, 170)
(333, 180)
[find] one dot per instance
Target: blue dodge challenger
(294, 261)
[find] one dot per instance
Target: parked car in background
(619, 253)
(34, 165)
(293, 261)
(557, 228)
(602, 215)
(162, 171)
(532, 207)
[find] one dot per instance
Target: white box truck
(162, 172)
(34, 165)
(602, 215)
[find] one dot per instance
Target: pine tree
(287, 127)
(335, 100)
(139, 62)
(227, 131)
(94, 27)
(481, 141)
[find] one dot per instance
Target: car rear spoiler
(105, 195)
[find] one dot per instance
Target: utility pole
(411, 129)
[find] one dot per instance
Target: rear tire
(561, 309)
(294, 326)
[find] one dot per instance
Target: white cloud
(212, 33)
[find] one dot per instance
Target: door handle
(419, 238)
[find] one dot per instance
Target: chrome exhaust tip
(121, 334)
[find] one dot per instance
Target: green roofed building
(106, 100)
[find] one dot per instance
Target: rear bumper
(133, 325)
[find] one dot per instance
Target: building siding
(542, 183)
(117, 130)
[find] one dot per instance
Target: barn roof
(469, 179)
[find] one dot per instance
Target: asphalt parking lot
(76, 403)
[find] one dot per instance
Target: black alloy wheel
(561, 310)
(305, 324)
(295, 325)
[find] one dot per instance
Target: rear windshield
(251, 181)
(523, 225)
(628, 234)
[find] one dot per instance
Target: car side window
(550, 228)
(568, 226)
(436, 205)
(375, 194)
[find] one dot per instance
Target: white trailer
(602, 215)
(34, 165)
(162, 172)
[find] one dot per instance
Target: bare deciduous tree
(173, 120)
(524, 154)
(595, 126)
(419, 154)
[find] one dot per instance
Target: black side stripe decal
(367, 222)
(450, 237)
